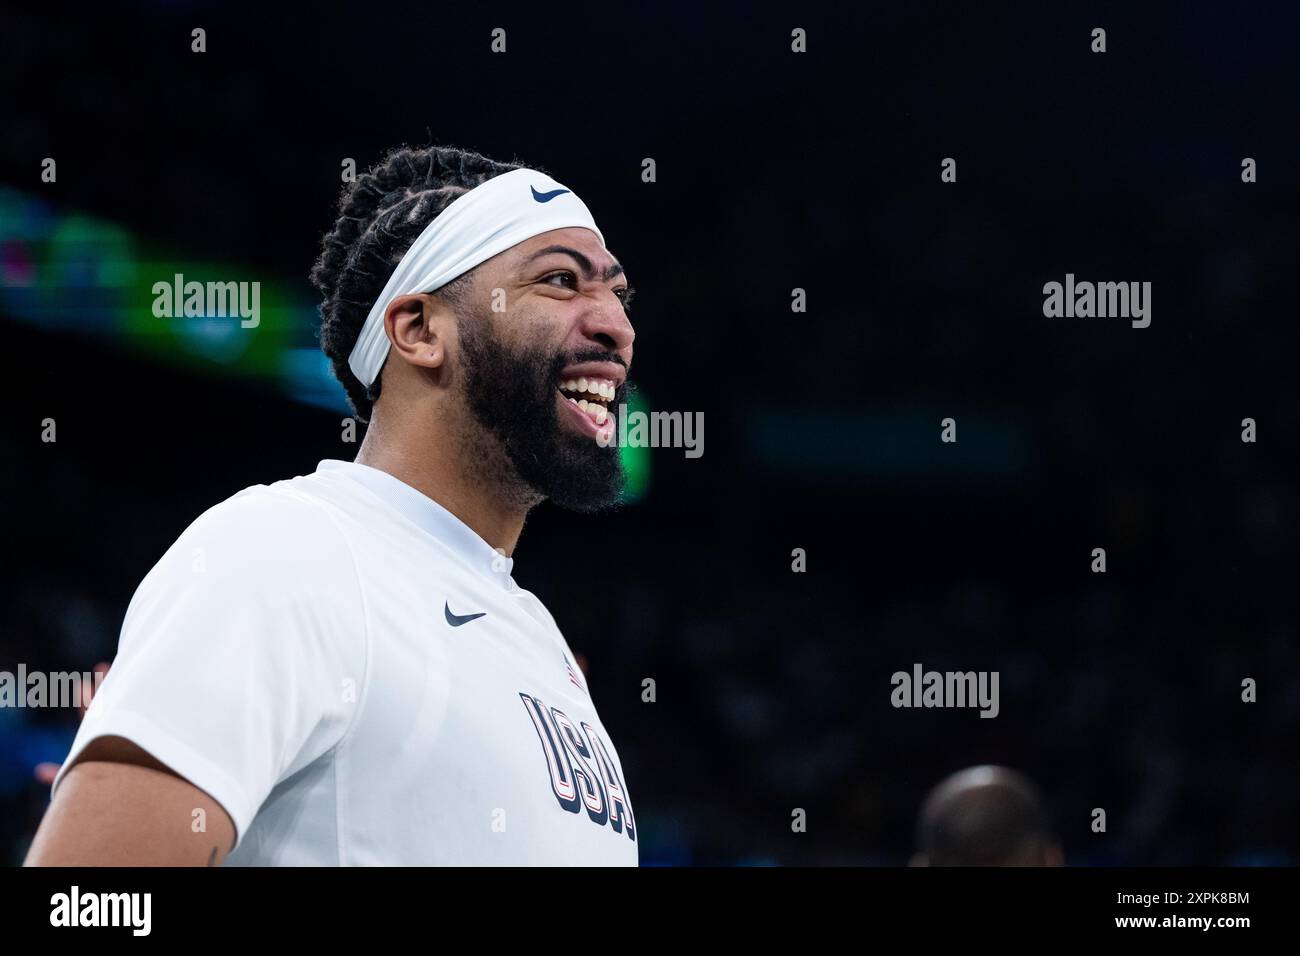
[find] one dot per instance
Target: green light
(232, 343)
(64, 270)
(636, 461)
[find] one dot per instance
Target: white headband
(490, 218)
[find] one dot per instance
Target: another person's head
(486, 367)
(985, 816)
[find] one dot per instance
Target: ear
(420, 328)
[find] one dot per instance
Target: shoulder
(270, 511)
(264, 534)
(265, 560)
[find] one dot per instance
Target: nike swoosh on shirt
(546, 197)
(456, 620)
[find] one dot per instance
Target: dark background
(775, 171)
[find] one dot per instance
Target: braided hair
(379, 217)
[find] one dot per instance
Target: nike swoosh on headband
(547, 197)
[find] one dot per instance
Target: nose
(607, 325)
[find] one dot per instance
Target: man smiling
(339, 668)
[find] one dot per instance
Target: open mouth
(591, 396)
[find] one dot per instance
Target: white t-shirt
(352, 673)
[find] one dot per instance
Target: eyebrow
(588, 270)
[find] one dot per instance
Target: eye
(625, 295)
(569, 277)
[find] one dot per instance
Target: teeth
(602, 389)
(596, 411)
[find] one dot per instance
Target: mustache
(586, 355)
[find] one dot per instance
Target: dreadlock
(379, 217)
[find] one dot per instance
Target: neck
(421, 461)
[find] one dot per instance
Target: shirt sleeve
(242, 654)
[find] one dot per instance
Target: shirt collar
(430, 516)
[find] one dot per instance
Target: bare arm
(118, 806)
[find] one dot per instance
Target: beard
(511, 393)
